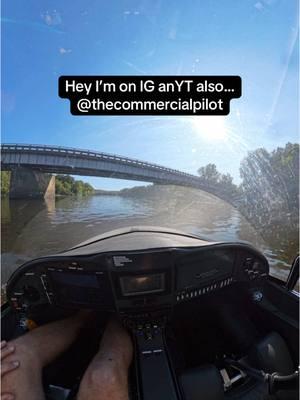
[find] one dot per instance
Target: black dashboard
(134, 271)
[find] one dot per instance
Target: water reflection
(31, 228)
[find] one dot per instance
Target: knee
(104, 373)
(105, 376)
(28, 374)
(25, 353)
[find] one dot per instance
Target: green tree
(223, 183)
(270, 185)
(5, 182)
(209, 173)
(66, 185)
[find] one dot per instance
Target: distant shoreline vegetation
(65, 185)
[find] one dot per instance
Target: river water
(32, 228)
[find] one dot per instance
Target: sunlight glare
(210, 128)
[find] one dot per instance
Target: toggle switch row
(192, 293)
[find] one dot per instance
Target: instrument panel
(135, 281)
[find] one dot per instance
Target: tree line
(66, 185)
(269, 188)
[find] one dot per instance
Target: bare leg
(107, 375)
(36, 349)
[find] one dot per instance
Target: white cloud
(128, 12)
(62, 50)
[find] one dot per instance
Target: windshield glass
(247, 162)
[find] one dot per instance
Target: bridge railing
(88, 153)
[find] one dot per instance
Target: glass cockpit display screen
(71, 279)
(74, 288)
(142, 284)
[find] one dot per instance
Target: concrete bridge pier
(25, 182)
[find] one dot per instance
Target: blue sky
(257, 40)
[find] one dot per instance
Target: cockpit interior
(207, 320)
